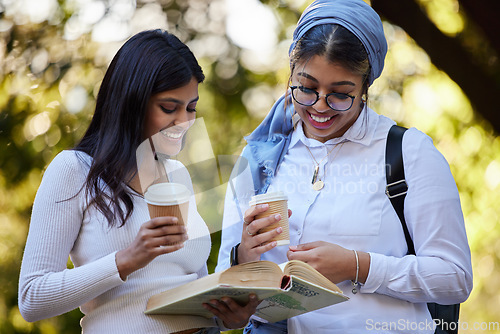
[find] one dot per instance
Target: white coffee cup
(168, 199)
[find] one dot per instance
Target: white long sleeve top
(353, 211)
(63, 224)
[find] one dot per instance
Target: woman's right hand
(253, 244)
(156, 237)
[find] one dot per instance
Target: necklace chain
(319, 184)
(312, 156)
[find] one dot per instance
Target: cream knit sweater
(62, 224)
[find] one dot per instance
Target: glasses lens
(304, 96)
(339, 101)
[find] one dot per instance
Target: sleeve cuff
(116, 268)
(377, 273)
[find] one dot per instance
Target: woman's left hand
(333, 261)
(230, 312)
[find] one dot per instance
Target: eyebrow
(339, 83)
(171, 99)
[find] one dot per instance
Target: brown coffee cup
(278, 204)
(168, 199)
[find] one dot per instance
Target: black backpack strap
(445, 316)
(396, 184)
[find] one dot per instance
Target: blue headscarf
(268, 143)
(354, 15)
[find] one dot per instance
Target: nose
(182, 118)
(321, 106)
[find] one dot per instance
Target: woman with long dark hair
(90, 206)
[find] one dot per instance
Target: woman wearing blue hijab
(343, 224)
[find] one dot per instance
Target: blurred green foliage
(49, 77)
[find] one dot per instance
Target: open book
(286, 291)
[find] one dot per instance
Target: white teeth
(320, 119)
(173, 135)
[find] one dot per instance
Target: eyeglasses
(308, 97)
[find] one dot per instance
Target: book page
(255, 274)
(263, 278)
(300, 297)
(258, 274)
(193, 304)
(305, 271)
(183, 291)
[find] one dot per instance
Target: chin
(166, 145)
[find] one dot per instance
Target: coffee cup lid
(166, 193)
(268, 197)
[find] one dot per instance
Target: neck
(320, 139)
(135, 184)
(323, 139)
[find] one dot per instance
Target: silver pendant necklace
(317, 183)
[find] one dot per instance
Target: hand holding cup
(168, 205)
(265, 226)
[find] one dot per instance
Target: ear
(364, 97)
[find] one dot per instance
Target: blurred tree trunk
(485, 15)
(479, 81)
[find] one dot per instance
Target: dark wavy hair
(150, 62)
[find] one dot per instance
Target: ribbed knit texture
(62, 224)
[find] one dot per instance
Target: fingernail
(274, 243)
(292, 248)
(279, 229)
(277, 217)
(264, 206)
(175, 219)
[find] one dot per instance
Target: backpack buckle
(396, 189)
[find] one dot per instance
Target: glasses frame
(326, 98)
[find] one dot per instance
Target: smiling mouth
(175, 135)
(321, 122)
(320, 119)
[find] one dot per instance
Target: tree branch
(447, 54)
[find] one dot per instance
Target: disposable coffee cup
(278, 204)
(168, 199)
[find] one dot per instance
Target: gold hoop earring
(363, 101)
